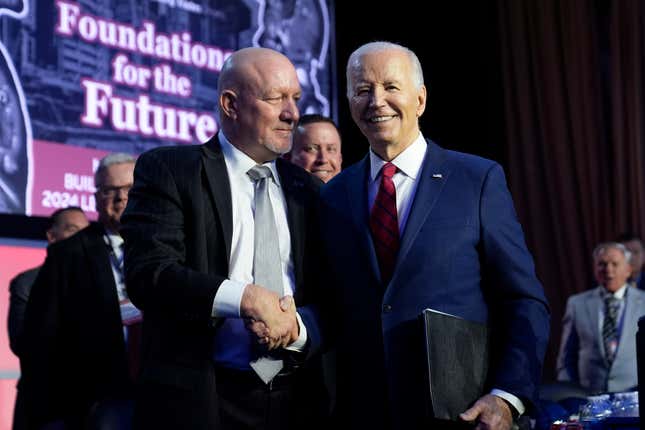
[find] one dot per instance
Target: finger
(274, 344)
(258, 329)
(286, 303)
(284, 341)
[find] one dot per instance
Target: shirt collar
(618, 294)
(409, 161)
(113, 239)
(239, 163)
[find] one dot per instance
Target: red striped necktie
(384, 223)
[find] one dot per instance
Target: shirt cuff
(510, 398)
(299, 344)
(227, 299)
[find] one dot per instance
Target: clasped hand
(271, 319)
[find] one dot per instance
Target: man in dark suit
(193, 259)
(74, 362)
(414, 226)
(63, 223)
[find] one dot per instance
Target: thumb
(471, 414)
(286, 303)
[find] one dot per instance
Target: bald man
(190, 230)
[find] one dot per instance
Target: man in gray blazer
(598, 348)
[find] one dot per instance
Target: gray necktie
(609, 329)
(267, 266)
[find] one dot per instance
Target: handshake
(271, 319)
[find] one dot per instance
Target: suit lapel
(432, 178)
(357, 198)
(219, 187)
(293, 189)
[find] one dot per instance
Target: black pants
(247, 403)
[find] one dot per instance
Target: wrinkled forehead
(380, 66)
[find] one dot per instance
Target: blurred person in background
(317, 146)
(77, 368)
(598, 346)
(63, 223)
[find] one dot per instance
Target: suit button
(387, 309)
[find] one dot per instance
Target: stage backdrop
(16, 256)
(79, 79)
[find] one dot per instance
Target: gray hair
(603, 247)
(355, 60)
(108, 160)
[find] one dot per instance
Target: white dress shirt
(233, 341)
(409, 164)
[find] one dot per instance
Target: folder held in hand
(457, 353)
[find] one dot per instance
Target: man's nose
(322, 157)
(377, 97)
(290, 112)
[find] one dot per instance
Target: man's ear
(228, 103)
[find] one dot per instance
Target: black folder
(457, 353)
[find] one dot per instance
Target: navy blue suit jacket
(462, 252)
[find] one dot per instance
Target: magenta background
(50, 163)
(13, 260)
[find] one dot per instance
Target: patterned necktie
(609, 330)
(267, 266)
(384, 223)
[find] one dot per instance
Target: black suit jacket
(19, 289)
(178, 231)
(74, 349)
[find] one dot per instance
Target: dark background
(457, 44)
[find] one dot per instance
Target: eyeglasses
(110, 192)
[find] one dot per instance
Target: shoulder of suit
(172, 152)
(470, 161)
(584, 295)
(179, 161)
(27, 276)
(637, 293)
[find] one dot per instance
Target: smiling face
(258, 103)
(385, 102)
(611, 269)
(316, 148)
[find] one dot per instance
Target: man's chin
(279, 150)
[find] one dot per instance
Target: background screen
(79, 79)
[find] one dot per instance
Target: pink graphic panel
(13, 260)
(63, 176)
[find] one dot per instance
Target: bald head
(247, 67)
(258, 92)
